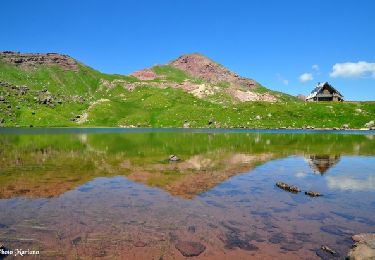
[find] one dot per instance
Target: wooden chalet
(324, 92)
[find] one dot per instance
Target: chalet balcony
(324, 95)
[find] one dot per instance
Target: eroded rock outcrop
(33, 60)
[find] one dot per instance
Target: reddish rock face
(32, 60)
(145, 74)
(202, 67)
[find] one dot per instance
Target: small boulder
(328, 250)
(2, 98)
(313, 193)
(370, 124)
(174, 158)
(287, 187)
(186, 124)
(345, 126)
(190, 248)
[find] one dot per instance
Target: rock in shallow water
(287, 187)
(363, 248)
(191, 229)
(313, 193)
(190, 248)
(328, 250)
(324, 255)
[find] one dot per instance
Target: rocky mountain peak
(33, 60)
(200, 66)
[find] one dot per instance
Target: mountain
(200, 76)
(51, 89)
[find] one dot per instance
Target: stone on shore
(174, 158)
(363, 248)
(370, 124)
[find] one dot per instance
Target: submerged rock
(234, 240)
(76, 241)
(190, 248)
(174, 158)
(336, 230)
(291, 246)
(140, 244)
(364, 247)
(287, 187)
(277, 238)
(191, 229)
(3, 226)
(313, 194)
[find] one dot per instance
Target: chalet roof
(318, 87)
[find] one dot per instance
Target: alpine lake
(109, 193)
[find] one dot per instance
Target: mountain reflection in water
(49, 165)
(116, 195)
(322, 163)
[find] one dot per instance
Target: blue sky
(285, 45)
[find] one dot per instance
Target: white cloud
(301, 174)
(306, 77)
(315, 67)
(353, 69)
(282, 80)
(349, 183)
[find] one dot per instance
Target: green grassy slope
(57, 98)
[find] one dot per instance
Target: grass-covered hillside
(52, 90)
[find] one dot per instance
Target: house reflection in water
(322, 163)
